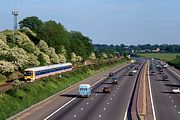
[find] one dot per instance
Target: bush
(7, 67)
(3, 78)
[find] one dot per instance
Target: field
(162, 56)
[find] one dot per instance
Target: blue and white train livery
(32, 74)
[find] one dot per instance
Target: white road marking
(169, 96)
(174, 72)
(104, 109)
(98, 81)
(178, 112)
(107, 103)
(154, 114)
(92, 98)
(113, 94)
(99, 116)
(74, 115)
(81, 109)
(175, 106)
(110, 98)
(60, 108)
(87, 103)
(172, 101)
(115, 91)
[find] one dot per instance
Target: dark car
(165, 77)
(114, 80)
(130, 73)
(153, 73)
(106, 89)
(161, 71)
(111, 74)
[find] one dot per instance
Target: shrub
(42, 45)
(3, 78)
(7, 67)
(43, 59)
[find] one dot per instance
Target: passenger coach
(32, 74)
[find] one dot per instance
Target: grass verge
(18, 99)
(162, 56)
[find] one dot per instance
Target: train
(32, 74)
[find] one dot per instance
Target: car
(114, 80)
(165, 77)
(130, 73)
(161, 71)
(111, 74)
(177, 90)
(136, 68)
(106, 89)
(134, 71)
(153, 73)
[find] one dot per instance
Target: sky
(129, 22)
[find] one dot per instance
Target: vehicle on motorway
(134, 71)
(177, 90)
(136, 68)
(85, 90)
(131, 73)
(114, 80)
(165, 65)
(111, 74)
(153, 73)
(106, 89)
(161, 71)
(32, 74)
(165, 77)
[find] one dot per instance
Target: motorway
(166, 103)
(100, 106)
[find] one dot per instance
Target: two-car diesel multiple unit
(32, 74)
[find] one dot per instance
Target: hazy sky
(105, 21)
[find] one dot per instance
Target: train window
(28, 73)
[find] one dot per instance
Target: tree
(33, 23)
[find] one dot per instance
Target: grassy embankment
(18, 99)
(168, 57)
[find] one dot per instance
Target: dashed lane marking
(110, 98)
(74, 116)
(81, 109)
(104, 109)
(107, 103)
(99, 116)
(87, 103)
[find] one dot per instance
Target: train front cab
(29, 76)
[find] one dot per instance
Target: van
(85, 90)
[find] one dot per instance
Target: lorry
(85, 90)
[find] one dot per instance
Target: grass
(18, 99)
(162, 56)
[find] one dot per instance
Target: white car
(177, 90)
(134, 71)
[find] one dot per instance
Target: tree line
(56, 36)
